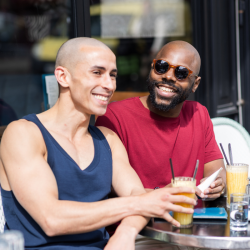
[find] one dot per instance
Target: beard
(181, 95)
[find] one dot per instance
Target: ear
(152, 65)
(62, 76)
(196, 84)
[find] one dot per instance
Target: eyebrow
(103, 68)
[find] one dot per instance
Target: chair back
(2, 218)
(229, 131)
(14, 239)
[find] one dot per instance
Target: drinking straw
(230, 153)
(196, 169)
(172, 169)
(224, 154)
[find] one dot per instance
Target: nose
(170, 75)
(109, 83)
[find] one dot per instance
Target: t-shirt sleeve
(212, 151)
(109, 120)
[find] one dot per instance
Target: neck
(66, 119)
(172, 113)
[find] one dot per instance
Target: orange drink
(237, 175)
(186, 220)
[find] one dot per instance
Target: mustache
(153, 83)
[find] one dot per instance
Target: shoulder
(196, 112)
(193, 107)
(22, 134)
(110, 135)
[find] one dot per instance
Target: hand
(159, 202)
(199, 193)
(216, 189)
(169, 185)
(123, 239)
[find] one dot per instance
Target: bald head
(69, 53)
(184, 48)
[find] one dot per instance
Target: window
(135, 30)
(31, 32)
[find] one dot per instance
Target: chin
(100, 111)
(160, 101)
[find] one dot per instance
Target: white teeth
(100, 97)
(166, 89)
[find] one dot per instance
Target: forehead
(178, 56)
(97, 56)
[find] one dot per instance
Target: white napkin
(205, 184)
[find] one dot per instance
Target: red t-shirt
(151, 140)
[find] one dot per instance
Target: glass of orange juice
(237, 175)
(186, 220)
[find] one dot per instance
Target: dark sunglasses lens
(161, 66)
(181, 73)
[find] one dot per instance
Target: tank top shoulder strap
(97, 134)
(44, 131)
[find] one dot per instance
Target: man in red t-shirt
(163, 125)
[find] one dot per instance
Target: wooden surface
(121, 95)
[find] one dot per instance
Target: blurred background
(31, 32)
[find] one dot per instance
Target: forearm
(133, 224)
(69, 217)
(125, 235)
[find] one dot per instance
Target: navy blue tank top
(88, 185)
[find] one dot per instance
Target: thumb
(203, 180)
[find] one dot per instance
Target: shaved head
(70, 54)
(188, 51)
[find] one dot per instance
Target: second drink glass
(237, 175)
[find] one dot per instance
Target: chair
(2, 218)
(229, 131)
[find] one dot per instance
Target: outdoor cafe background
(32, 31)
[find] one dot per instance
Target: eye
(113, 75)
(97, 72)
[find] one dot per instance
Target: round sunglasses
(161, 67)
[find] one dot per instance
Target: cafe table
(205, 233)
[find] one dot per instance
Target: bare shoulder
(110, 135)
(22, 134)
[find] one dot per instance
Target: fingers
(179, 199)
(213, 193)
(181, 209)
(199, 193)
(176, 190)
(217, 186)
(171, 220)
(217, 182)
(203, 180)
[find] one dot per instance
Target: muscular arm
(34, 185)
(23, 155)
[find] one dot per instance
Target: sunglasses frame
(172, 66)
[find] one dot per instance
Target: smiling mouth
(101, 97)
(166, 89)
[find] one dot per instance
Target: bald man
(56, 170)
(164, 125)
